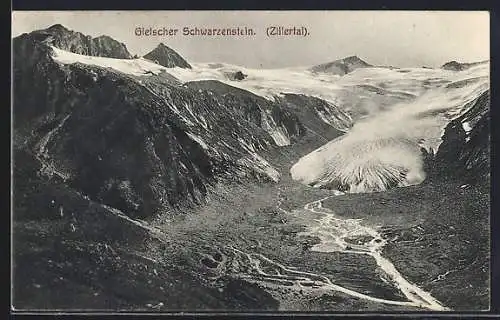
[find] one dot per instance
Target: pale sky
(397, 38)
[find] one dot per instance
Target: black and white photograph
(250, 161)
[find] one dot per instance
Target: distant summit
(459, 66)
(341, 66)
(59, 27)
(76, 42)
(167, 57)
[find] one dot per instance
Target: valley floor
(242, 250)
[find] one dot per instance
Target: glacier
(396, 113)
(385, 150)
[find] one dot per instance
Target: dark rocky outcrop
(167, 57)
(341, 66)
(323, 119)
(76, 42)
(239, 75)
(465, 155)
(459, 66)
(453, 65)
(236, 76)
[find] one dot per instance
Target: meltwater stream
(334, 232)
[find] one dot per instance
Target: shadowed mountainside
(135, 143)
(465, 151)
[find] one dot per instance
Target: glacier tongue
(355, 166)
(384, 151)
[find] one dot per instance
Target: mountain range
(110, 148)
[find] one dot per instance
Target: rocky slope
(60, 37)
(465, 151)
(167, 57)
(323, 119)
(139, 143)
(282, 125)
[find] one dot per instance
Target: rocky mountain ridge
(140, 143)
(76, 42)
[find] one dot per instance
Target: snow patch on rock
(135, 67)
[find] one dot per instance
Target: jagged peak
(343, 66)
(167, 57)
(58, 26)
(163, 47)
(353, 58)
(61, 37)
(348, 60)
